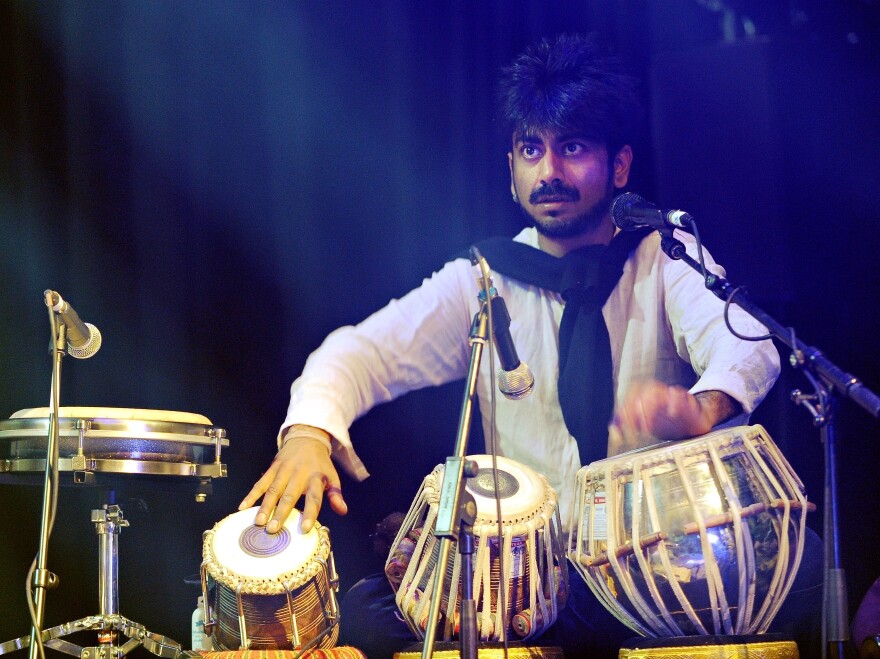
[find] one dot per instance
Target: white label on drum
(518, 556)
(599, 530)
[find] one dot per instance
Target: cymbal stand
(827, 380)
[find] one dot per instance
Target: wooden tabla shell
(535, 579)
(269, 591)
(698, 537)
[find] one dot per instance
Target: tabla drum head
(245, 555)
(520, 489)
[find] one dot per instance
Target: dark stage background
(219, 185)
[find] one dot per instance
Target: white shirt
(662, 323)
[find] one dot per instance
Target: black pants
(371, 622)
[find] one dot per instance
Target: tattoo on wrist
(718, 405)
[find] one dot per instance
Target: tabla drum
(532, 575)
(269, 590)
(115, 440)
(699, 537)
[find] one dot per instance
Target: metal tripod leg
(108, 524)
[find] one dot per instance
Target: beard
(554, 227)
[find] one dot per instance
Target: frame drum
(114, 440)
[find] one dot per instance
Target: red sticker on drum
(595, 520)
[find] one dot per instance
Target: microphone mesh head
(619, 207)
(90, 348)
(517, 383)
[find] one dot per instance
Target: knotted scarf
(584, 278)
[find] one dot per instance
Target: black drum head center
(256, 541)
(483, 484)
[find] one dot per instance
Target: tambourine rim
(36, 429)
(132, 467)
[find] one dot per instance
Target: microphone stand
(457, 510)
(42, 578)
(827, 380)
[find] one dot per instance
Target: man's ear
(621, 166)
(512, 186)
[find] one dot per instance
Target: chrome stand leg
(108, 524)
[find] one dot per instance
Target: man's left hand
(653, 411)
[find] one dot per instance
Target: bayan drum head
(727, 440)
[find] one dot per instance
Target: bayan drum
(114, 440)
(700, 537)
(532, 574)
(269, 590)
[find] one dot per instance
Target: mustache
(556, 191)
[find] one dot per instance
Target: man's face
(565, 183)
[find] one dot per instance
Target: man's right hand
(302, 467)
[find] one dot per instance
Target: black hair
(569, 85)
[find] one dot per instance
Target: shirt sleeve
(744, 370)
(415, 341)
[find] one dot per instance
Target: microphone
(515, 380)
(629, 211)
(83, 339)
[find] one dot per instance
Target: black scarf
(585, 279)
